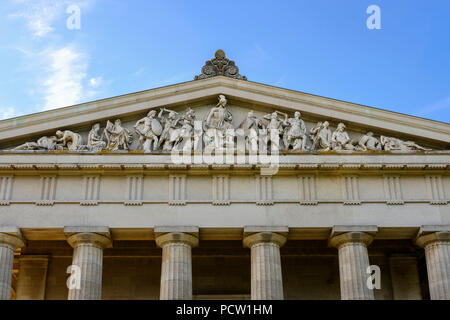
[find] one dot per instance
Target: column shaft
(88, 261)
(176, 268)
(266, 275)
(8, 243)
(353, 263)
(437, 255)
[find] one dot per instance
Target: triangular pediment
(242, 96)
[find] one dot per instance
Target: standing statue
(369, 142)
(250, 126)
(390, 143)
(118, 138)
(148, 129)
(275, 127)
(69, 139)
(295, 133)
(95, 142)
(216, 124)
(340, 139)
(170, 131)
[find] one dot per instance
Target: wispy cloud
(39, 15)
(63, 85)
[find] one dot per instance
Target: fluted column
(266, 275)
(88, 257)
(176, 268)
(437, 255)
(8, 243)
(353, 263)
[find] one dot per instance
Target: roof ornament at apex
(220, 65)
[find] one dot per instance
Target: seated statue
(118, 138)
(321, 137)
(95, 142)
(340, 139)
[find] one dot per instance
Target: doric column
(176, 268)
(9, 242)
(405, 277)
(32, 277)
(88, 244)
(352, 244)
(266, 275)
(436, 241)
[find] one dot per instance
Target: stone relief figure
(295, 134)
(43, 143)
(390, 143)
(275, 127)
(170, 131)
(340, 139)
(216, 124)
(149, 129)
(118, 137)
(321, 137)
(369, 142)
(95, 142)
(69, 139)
(185, 134)
(250, 127)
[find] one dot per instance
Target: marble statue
(216, 124)
(69, 139)
(340, 139)
(369, 142)
(95, 141)
(118, 137)
(170, 131)
(43, 143)
(275, 127)
(390, 143)
(321, 137)
(250, 127)
(295, 133)
(149, 129)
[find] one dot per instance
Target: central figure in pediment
(216, 126)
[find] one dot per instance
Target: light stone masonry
(88, 256)
(266, 274)
(353, 263)
(176, 269)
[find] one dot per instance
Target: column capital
(11, 240)
(94, 239)
(264, 237)
(350, 237)
(429, 238)
(176, 237)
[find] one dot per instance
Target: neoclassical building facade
(223, 188)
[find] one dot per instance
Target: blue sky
(320, 47)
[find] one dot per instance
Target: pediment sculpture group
(168, 130)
